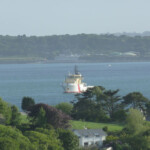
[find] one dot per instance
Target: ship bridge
(74, 78)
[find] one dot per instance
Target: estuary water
(43, 81)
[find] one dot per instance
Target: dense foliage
(50, 115)
(98, 104)
(12, 139)
(136, 100)
(68, 139)
(65, 107)
(27, 102)
(134, 137)
(15, 117)
(5, 111)
(38, 133)
(47, 126)
(44, 139)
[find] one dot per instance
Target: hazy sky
(48, 17)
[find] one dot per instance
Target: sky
(57, 17)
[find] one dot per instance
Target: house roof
(90, 132)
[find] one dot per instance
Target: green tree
(65, 107)
(5, 111)
(87, 107)
(135, 121)
(12, 139)
(41, 120)
(136, 135)
(7, 143)
(15, 117)
(88, 110)
(139, 142)
(148, 109)
(54, 117)
(135, 100)
(120, 115)
(94, 93)
(69, 139)
(27, 102)
(111, 102)
(121, 146)
(44, 139)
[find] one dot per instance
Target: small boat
(73, 83)
(109, 65)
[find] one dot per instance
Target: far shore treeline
(89, 47)
(45, 127)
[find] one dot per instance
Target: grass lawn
(92, 125)
(82, 124)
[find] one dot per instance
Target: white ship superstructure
(73, 83)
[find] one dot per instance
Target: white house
(89, 137)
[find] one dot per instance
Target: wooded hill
(90, 47)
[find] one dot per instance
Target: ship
(73, 83)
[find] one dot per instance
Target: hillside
(81, 47)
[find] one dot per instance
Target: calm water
(43, 81)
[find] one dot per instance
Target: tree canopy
(27, 102)
(135, 100)
(98, 104)
(53, 116)
(65, 107)
(12, 139)
(44, 139)
(135, 121)
(69, 140)
(86, 106)
(5, 111)
(15, 117)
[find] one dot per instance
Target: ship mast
(76, 70)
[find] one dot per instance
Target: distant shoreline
(79, 61)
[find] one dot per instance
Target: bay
(43, 81)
